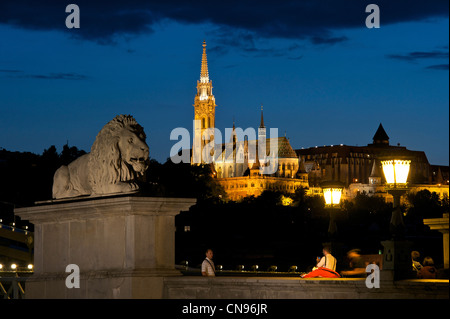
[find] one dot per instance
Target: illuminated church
(236, 163)
(237, 168)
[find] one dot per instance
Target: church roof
(285, 149)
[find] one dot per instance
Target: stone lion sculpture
(119, 157)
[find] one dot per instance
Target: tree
(184, 180)
(425, 204)
(69, 154)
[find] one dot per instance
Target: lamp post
(396, 174)
(332, 192)
(397, 251)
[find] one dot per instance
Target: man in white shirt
(328, 260)
(208, 268)
(326, 266)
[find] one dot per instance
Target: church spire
(262, 118)
(204, 114)
(204, 75)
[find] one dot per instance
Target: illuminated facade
(204, 111)
(360, 169)
(353, 164)
(357, 167)
(236, 167)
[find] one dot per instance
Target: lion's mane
(105, 161)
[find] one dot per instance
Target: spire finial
(262, 118)
(204, 75)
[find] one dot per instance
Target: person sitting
(326, 266)
(357, 265)
(415, 261)
(428, 271)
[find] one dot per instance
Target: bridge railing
(12, 287)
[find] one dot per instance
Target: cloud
(58, 76)
(296, 58)
(10, 71)
(438, 67)
(50, 76)
(317, 21)
(419, 55)
(328, 40)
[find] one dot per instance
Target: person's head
(354, 253)
(326, 250)
(428, 261)
(415, 255)
(209, 253)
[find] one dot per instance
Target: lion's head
(119, 153)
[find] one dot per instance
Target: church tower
(262, 128)
(204, 108)
(261, 151)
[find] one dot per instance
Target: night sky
(323, 77)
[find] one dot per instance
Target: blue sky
(322, 82)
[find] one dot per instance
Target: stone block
(124, 246)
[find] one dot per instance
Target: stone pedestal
(440, 224)
(124, 246)
(397, 262)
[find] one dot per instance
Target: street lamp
(332, 193)
(397, 251)
(396, 173)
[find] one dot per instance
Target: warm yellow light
(1, 266)
(286, 201)
(332, 195)
(13, 266)
(30, 266)
(336, 195)
(396, 171)
(388, 170)
(327, 195)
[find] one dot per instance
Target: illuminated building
(236, 167)
(204, 108)
(359, 167)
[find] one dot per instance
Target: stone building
(359, 167)
(355, 164)
(236, 164)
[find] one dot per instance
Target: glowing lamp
(396, 171)
(13, 266)
(332, 192)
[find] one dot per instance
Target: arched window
(203, 122)
(209, 122)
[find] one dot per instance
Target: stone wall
(297, 288)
